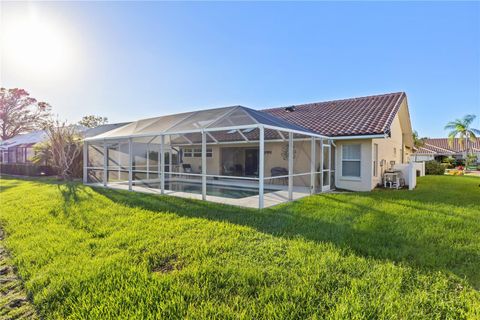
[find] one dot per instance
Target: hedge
(26, 169)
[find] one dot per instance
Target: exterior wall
(389, 149)
(274, 157)
(364, 183)
(213, 163)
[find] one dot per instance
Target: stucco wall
(274, 157)
(364, 183)
(389, 149)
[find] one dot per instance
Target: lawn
(107, 254)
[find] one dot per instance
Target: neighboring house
(440, 148)
(20, 149)
(308, 148)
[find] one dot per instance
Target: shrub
(449, 162)
(434, 168)
(26, 169)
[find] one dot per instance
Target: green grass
(99, 253)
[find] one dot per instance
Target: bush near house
(25, 169)
(449, 162)
(88, 253)
(434, 168)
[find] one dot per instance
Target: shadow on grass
(69, 192)
(339, 220)
(4, 187)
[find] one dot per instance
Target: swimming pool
(232, 192)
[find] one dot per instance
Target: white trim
(204, 166)
(359, 160)
(130, 164)
(243, 136)
(162, 164)
(328, 170)
(305, 133)
(261, 168)
(85, 162)
(347, 178)
(313, 151)
(105, 164)
(290, 166)
(213, 138)
(371, 136)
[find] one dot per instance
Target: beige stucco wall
(393, 148)
(274, 157)
(389, 149)
(364, 183)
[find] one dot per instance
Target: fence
(26, 169)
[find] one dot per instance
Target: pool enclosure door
(326, 169)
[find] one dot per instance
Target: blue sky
(136, 60)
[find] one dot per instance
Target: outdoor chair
(187, 168)
(228, 170)
(279, 171)
(238, 169)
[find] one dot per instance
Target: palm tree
(417, 141)
(462, 129)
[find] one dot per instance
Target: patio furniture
(228, 170)
(279, 171)
(187, 168)
(238, 169)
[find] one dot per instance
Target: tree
(462, 129)
(42, 154)
(20, 113)
(92, 121)
(417, 141)
(65, 144)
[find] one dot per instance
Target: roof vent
(290, 109)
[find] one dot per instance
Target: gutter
(370, 136)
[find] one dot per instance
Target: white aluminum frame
(206, 132)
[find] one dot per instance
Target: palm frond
(475, 131)
(451, 137)
(472, 135)
(468, 119)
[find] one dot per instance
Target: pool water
(212, 190)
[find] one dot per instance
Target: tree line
(21, 113)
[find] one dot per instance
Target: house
(440, 148)
(21, 148)
(248, 157)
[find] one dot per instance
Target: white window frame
(196, 152)
(375, 159)
(359, 160)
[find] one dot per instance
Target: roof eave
(365, 136)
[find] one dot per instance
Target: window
(375, 160)
(20, 155)
(351, 155)
(187, 153)
(196, 152)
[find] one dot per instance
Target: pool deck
(270, 199)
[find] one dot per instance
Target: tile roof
(348, 117)
(441, 146)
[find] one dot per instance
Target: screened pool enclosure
(232, 155)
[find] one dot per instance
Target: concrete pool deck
(271, 199)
